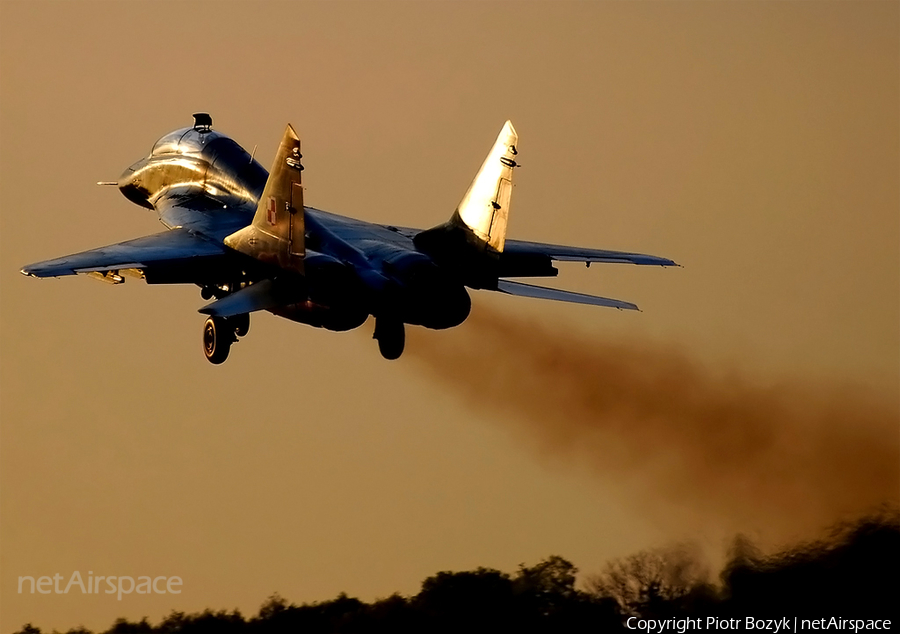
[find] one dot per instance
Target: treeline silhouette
(854, 572)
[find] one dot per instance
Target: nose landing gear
(391, 337)
(220, 332)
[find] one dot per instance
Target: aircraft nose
(125, 178)
(131, 186)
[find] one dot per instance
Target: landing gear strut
(241, 324)
(391, 337)
(220, 332)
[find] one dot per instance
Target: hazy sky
(756, 143)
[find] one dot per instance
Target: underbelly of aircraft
(437, 308)
(319, 316)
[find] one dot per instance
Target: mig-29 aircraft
(246, 239)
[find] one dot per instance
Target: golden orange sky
(757, 144)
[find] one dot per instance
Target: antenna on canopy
(202, 122)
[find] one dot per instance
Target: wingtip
(289, 131)
(624, 305)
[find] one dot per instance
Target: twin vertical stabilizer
(276, 234)
(485, 207)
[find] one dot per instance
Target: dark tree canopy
(854, 572)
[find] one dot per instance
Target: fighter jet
(246, 238)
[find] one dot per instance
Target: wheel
(391, 337)
(217, 339)
(241, 324)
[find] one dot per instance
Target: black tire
(217, 338)
(391, 338)
(241, 324)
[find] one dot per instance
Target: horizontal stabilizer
(563, 253)
(260, 296)
(540, 292)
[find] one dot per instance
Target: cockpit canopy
(184, 141)
(195, 157)
(191, 140)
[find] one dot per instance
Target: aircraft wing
(577, 254)
(179, 246)
(541, 292)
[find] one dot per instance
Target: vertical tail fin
(276, 234)
(485, 207)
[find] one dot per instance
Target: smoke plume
(719, 448)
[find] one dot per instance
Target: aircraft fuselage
(346, 278)
(245, 236)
